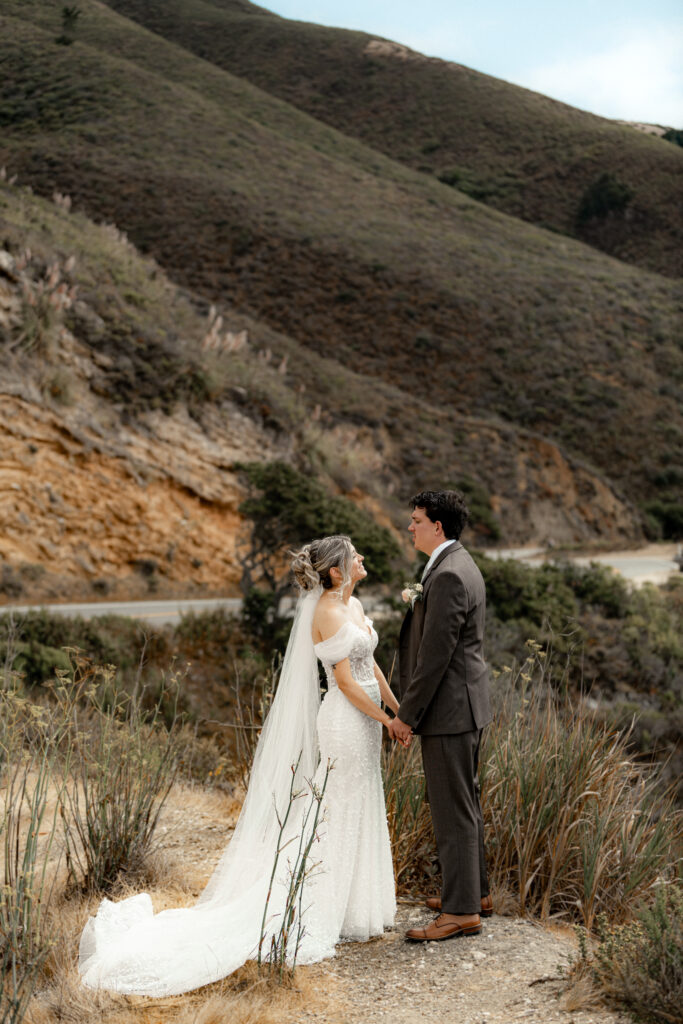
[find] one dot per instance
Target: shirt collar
(435, 553)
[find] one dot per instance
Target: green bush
(534, 595)
(109, 639)
(639, 965)
(604, 196)
(666, 519)
(597, 586)
(674, 135)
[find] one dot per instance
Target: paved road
(161, 612)
(653, 564)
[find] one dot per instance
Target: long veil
(127, 948)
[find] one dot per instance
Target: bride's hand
(400, 732)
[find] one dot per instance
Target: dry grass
(173, 877)
(581, 993)
(574, 825)
(193, 824)
(409, 818)
(246, 997)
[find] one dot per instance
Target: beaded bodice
(357, 643)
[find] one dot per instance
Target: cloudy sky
(617, 58)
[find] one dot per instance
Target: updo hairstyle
(311, 565)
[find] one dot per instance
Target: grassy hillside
(122, 430)
(513, 149)
(460, 312)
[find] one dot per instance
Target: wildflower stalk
(299, 872)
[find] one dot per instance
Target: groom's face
(426, 534)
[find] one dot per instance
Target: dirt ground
(509, 974)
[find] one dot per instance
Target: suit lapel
(439, 559)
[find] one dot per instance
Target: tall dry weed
(121, 764)
(573, 823)
(28, 826)
(410, 821)
(574, 826)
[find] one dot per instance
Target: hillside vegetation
(516, 150)
(128, 405)
(380, 269)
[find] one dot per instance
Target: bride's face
(358, 571)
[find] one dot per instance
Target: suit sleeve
(445, 616)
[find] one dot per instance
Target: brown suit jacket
(443, 678)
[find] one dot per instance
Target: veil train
(129, 949)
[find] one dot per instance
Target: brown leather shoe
(445, 926)
(434, 903)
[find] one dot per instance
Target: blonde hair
(311, 565)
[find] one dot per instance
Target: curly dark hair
(445, 507)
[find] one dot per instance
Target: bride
(350, 892)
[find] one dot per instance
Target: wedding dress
(348, 895)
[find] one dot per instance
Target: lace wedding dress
(350, 895)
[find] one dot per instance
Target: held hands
(400, 732)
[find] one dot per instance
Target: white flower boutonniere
(412, 593)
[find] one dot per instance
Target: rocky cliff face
(139, 512)
(93, 501)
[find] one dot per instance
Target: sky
(618, 58)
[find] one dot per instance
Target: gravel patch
(509, 974)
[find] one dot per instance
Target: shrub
(26, 772)
(674, 135)
(603, 196)
(119, 770)
(536, 596)
(107, 639)
(640, 965)
(665, 518)
(70, 16)
(597, 586)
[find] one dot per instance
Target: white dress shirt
(435, 553)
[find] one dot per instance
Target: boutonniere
(412, 593)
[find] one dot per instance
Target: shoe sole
(482, 913)
(442, 938)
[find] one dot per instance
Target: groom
(444, 697)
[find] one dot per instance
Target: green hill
(431, 300)
(514, 149)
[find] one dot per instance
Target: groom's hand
(398, 730)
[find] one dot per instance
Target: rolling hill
(422, 336)
(514, 149)
(123, 426)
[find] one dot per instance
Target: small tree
(286, 508)
(70, 16)
(604, 196)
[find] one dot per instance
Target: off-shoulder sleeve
(338, 646)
